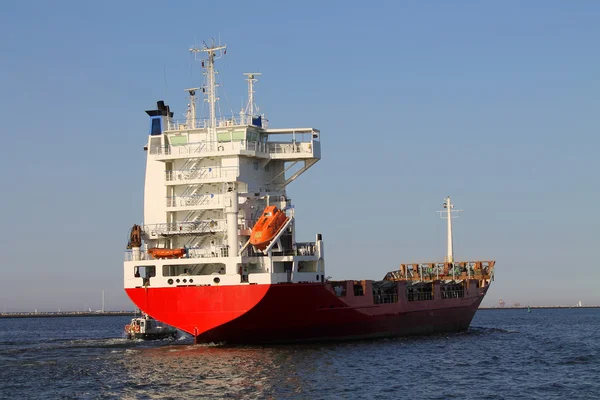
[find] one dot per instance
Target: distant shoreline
(66, 314)
(536, 307)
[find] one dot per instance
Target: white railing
(199, 123)
(143, 255)
(247, 224)
(302, 249)
(212, 252)
(202, 123)
(306, 249)
(200, 200)
(183, 125)
(291, 148)
(189, 149)
(185, 228)
(216, 251)
(192, 149)
(256, 146)
(202, 173)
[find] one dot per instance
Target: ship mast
(214, 53)
(251, 79)
(449, 209)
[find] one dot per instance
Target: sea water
(506, 354)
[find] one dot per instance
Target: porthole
(185, 281)
(217, 280)
(191, 281)
(170, 281)
(177, 280)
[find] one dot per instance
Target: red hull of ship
(297, 312)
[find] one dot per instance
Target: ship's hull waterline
(283, 313)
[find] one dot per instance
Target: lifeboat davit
(166, 253)
(267, 227)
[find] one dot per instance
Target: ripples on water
(507, 354)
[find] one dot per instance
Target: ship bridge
(207, 183)
(291, 144)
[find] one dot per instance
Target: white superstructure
(207, 182)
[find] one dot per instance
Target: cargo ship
(217, 254)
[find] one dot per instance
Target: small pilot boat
(147, 328)
(157, 252)
(267, 227)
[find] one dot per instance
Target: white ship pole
(193, 108)
(448, 205)
(211, 90)
(231, 211)
(212, 98)
(251, 79)
(449, 209)
(191, 117)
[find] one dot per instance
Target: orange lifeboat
(166, 253)
(267, 227)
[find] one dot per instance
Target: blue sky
(494, 103)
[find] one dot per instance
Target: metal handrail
(453, 294)
(290, 147)
(443, 270)
(181, 125)
(143, 256)
(201, 173)
(294, 147)
(202, 252)
(184, 228)
(419, 296)
(385, 298)
(195, 200)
